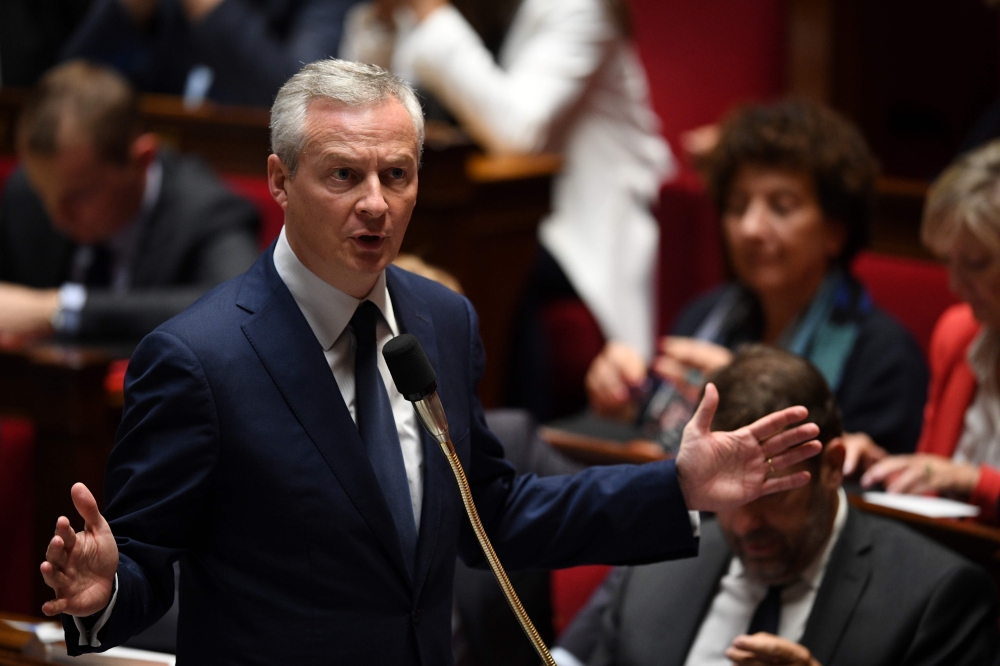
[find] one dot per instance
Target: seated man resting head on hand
(798, 577)
(103, 235)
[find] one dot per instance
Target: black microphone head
(411, 371)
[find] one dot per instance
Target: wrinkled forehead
(385, 126)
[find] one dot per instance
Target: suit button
(416, 616)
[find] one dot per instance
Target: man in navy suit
(264, 446)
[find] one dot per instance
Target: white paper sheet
(932, 507)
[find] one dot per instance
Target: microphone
(416, 380)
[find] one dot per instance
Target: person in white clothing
(566, 80)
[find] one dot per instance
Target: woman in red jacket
(959, 450)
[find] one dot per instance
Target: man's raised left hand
(723, 470)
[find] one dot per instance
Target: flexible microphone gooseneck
(416, 380)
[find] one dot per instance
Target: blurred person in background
(567, 80)
(798, 578)
(959, 450)
(103, 235)
(231, 51)
(794, 184)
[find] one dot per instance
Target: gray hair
(350, 83)
(966, 195)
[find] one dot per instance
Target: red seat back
(18, 568)
(571, 589)
(913, 291)
(7, 165)
(256, 189)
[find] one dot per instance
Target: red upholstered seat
(913, 291)
(7, 165)
(571, 588)
(255, 188)
(17, 516)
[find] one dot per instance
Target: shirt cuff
(695, 523)
(564, 657)
(90, 637)
(69, 314)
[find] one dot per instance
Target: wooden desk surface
(13, 641)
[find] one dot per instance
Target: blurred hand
(196, 10)
(140, 11)
(723, 470)
(862, 452)
(423, 8)
(612, 379)
(686, 362)
(80, 566)
(922, 473)
(701, 140)
(26, 313)
(767, 649)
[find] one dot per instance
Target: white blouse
(980, 440)
(566, 82)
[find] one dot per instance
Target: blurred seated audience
(103, 235)
(799, 577)
(566, 80)
(959, 450)
(232, 51)
(794, 185)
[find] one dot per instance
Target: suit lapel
(700, 587)
(286, 345)
(413, 316)
(846, 577)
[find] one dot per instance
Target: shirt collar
(327, 309)
(812, 575)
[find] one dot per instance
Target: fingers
(785, 440)
(782, 483)
(704, 356)
(884, 469)
(769, 649)
(702, 419)
(851, 456)
(54, 607)
(772, 424)
(796, 455)
(913, 479)
(612, 376)
(86, 506)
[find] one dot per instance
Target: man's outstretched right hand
(80, 566)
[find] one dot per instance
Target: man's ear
(278, 179)
(831, 471)
(143, 150)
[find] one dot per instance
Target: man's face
(777, 536)
(349, 202)
(87, 198)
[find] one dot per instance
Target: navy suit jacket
(237, 456)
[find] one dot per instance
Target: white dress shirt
(739, 595)
(565, 81)
(122, 246)
(980, 440)
(328, 312)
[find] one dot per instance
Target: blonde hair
(966, 195)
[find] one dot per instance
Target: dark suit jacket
(889, 597)
(237, 455)
(253, 46)
(884, 386)
(198, 235)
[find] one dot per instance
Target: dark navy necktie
(378, 429)
(768, 614)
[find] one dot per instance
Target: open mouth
(370, 242)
